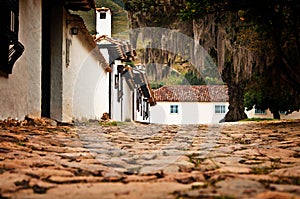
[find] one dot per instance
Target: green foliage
(261, 170)
(255, 119)
(271, 30)
(109, 123)
(119, 2)
(192, 79)
(276, 20)
(89, 20)
(153, 13)
(154, 85)
(119, 17)
(189, 77)
(264, 92)
(172, 79)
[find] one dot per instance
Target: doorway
(46, 58)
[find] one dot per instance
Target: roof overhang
(83, 5)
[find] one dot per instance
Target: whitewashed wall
(116, 106)
(20, 93)
(127, 103)
(85, 82)
(188, 113)
(103, 26)
(120, 111)
(252, 114)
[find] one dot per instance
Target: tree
(276, 22)
(243, 37)
(264, 93)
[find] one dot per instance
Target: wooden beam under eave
(83, 5)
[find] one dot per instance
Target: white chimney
(103, 21)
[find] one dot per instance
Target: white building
(85, 76)
(180, 104)
(129, 91)
(61, 73)
(103, 22)
(256, 113)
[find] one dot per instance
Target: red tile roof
(188, 93)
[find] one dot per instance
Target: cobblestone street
(133, 160)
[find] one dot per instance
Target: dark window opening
(174, 109)
(260, 112)
(220, 109)
(102, 15)
(11, 48)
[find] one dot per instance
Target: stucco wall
(85, 82)
(21, 91)
(120, 110)
(199, 113)
(103, 26)
(188, 113)
(252, 114)
(116, 106)
(127, 103)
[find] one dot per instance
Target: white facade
(124, 87)
(251, 114)
(121, 96)
(201, 113)
(20, 92)
(188, 113)
(77, 82)
(103, 22)
(85, 83)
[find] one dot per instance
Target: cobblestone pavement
(230, 160)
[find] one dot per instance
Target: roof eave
(82, 5)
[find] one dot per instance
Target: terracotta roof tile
(187, 93)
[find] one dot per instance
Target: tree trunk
(276, 115)
(236, 103)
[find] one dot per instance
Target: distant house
(129, 91)
(130, 96)
(257, 113)
(50, 65)
(181, 104)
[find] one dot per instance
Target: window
(173, 108)
(11, 48)
(102, 15)
(220, 109)
(282, 112)
(260, 112)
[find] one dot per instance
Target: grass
(22, 144)
(275, 164)
(256, 119)
(110, 123)
(261, 170)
